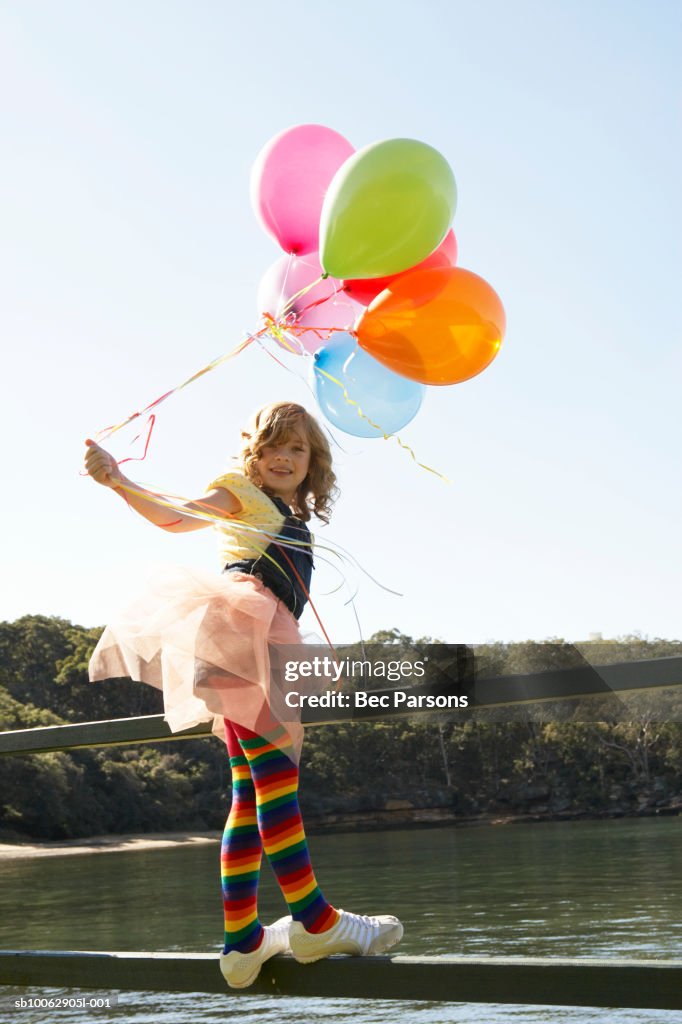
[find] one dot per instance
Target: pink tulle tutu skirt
(206, 641)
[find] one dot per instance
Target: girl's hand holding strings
(102, 466)
(174, 517)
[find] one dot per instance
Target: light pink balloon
(289, 180)
(325, 307)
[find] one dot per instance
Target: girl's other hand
(101, 466)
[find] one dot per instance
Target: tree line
(548, 762)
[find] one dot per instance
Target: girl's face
(283, 466)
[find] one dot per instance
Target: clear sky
(130, 257)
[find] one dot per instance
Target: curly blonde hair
(274, 424)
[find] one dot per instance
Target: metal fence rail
(655, 675)
(644, 984)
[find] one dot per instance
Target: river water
(603, 888)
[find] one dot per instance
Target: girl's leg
(275, 778)
(240, 856)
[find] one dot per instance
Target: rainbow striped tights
(265, 815)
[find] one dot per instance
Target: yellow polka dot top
(257, 512)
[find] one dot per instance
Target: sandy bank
(107, 844)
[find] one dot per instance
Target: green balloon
(387, 208)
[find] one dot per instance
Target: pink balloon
(325, 307)
(289, 180)
(365, 289)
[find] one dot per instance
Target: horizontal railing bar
(497, 692)
(581, 681)
(80, 735)
(641, 984)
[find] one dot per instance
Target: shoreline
(328, 825)
(124, 843)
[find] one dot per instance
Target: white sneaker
(241, 969)
(352, 934)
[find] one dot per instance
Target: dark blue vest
(295, 560)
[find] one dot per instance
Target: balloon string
(204, 513)
(135, 458)
(140, 458)
(284, 334)
(282, 542)
(301, 293)
(290, 263)
(283, 331)
(310, 601)
(280, 334)
(320, 302)
(176, 503)
(106, 432)
(376, 426)
(306, 383)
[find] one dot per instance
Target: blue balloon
(388, 399)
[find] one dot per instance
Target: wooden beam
(115, 733)
(499, 692)
(642, 984)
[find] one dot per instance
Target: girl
(204, 641)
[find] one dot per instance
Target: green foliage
(472, 766)
(44, 661)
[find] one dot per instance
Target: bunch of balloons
(368, 283)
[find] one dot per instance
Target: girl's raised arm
(104, 469)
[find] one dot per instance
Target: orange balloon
(438, 326)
